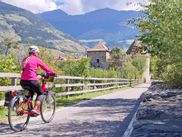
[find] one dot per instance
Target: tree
(9, 41)
(161, 28)
(75, 68)
(117, 58)
(139, 62)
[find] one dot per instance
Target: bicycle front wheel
(17, 120)
(47, 109)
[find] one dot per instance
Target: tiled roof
(132, 49)
(99, 47)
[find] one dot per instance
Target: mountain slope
(104, 24)
(30, 28)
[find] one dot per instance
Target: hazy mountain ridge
(106, 24)
(30, 28)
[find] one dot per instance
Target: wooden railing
(68, 82)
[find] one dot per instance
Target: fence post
(117, 81)
(67, 88)
(83, 84)
(102, 81)
(13, 81)
(94, 87)
(67, 82)
(130, 84)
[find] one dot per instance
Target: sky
(75, 7)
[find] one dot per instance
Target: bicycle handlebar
(47, 75)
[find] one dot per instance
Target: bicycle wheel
(17, 120)
(47, 109)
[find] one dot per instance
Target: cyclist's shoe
(35, 112)
(36, 109)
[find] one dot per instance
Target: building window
(98, 61)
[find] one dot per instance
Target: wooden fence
(68, 82)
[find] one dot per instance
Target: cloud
(76, 6)
(83, 6)
(114, 4)
(35, 6)
(72, 6)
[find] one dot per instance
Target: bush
(102, 73)
(173, 75)
(129, 72)
(8, 64)
(50, 59)
(139, 62)
(75, 68)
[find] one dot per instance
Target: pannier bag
(8, 96)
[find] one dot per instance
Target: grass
(63, 101)
(3, 114)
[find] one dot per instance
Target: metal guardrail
(88, 84)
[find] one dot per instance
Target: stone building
(136, 49)
(99, 56)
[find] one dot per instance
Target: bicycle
(19, 110)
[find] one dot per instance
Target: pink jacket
(30, 65)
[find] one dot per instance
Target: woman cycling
(29, 78)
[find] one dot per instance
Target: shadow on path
(5, 128)
(110, 120)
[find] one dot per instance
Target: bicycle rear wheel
(47, 109)
(17, 120)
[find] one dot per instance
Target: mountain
(27, 27)
(106, 25)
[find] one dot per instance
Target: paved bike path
(104, 116)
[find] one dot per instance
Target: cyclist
(29, 78)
